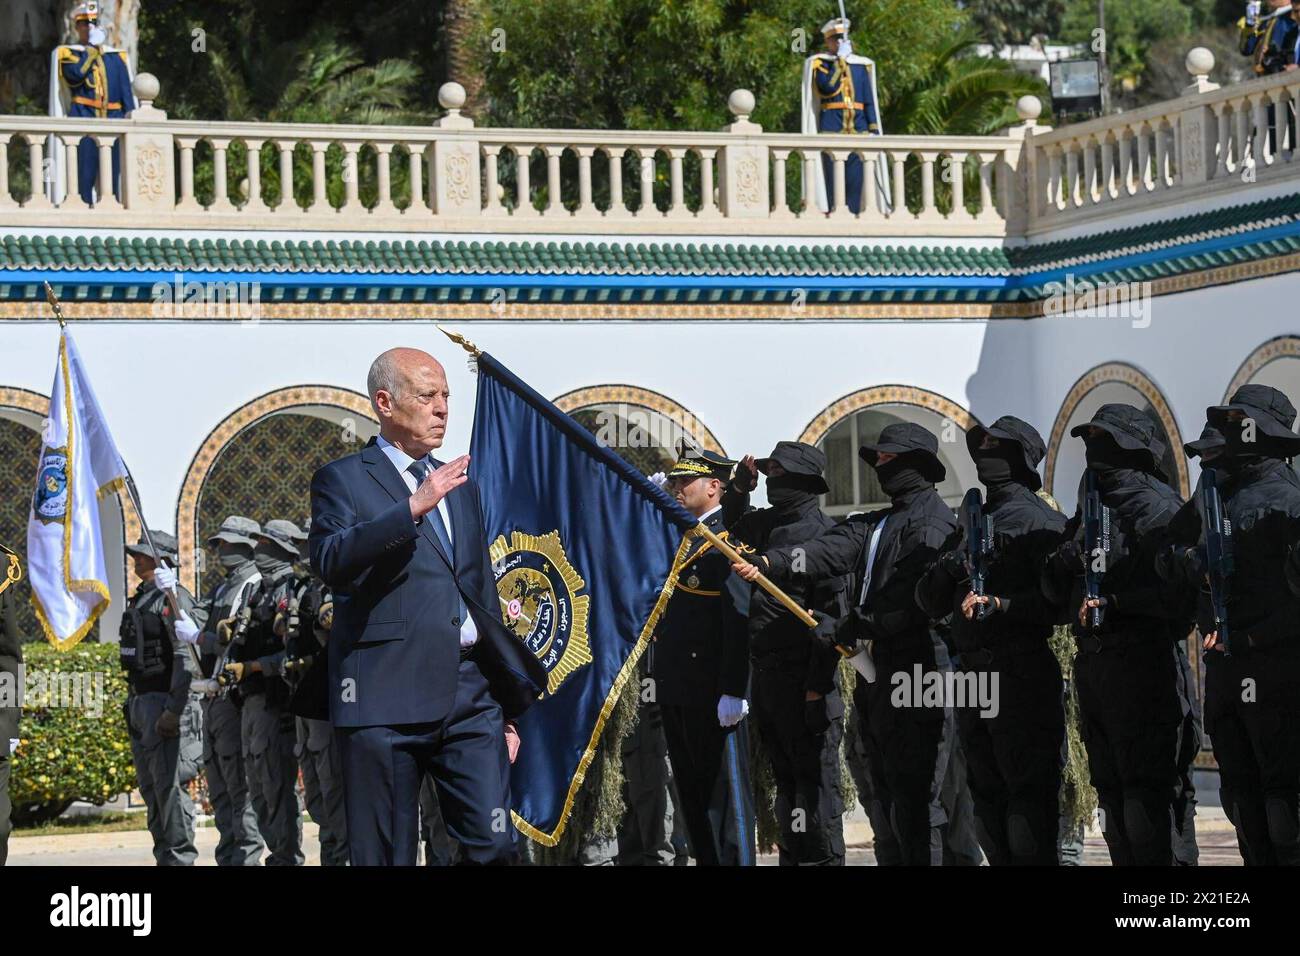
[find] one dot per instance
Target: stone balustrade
(456, 177)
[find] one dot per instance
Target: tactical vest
(271, 603)
(145, 648)
(309, 682)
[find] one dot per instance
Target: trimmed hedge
(74, 743)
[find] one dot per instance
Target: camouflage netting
(598, 805)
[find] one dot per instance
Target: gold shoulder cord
(14, 573)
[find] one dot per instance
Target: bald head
(408, 391)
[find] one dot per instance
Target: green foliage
(71, 752)
(1015, 21)
(1133, 29)
(1078, 796)
(609, 70)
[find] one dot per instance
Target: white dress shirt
(402, 461)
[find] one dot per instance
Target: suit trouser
(1014, 757)
(907, 750)
(711, 769)
(239, 843)
(809, 806)
(1257, 746)
(161, 772)
(322, 780)
(269, 738)
(644, 834)
(466, 755)
(6, 807)
(1131, 722)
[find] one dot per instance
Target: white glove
(845, 48)
(164, 577)
(659, 479)
(13, 746)
(1252, 13)
(97, 36)
(731, 710)
(187, 632)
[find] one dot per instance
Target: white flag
(79, 465)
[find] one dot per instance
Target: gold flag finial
(53, 300)
(463, 342)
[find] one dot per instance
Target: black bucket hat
(798, 458)
(1010, 428)
(1211, 440)
(1132, 429)
(1268, 407)
(168, 547)
(902, 438)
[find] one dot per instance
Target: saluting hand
(437, 485)
(746, 477)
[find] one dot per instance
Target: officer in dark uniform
(1127, 669)
(701, 677)
(11, 661)
(310, 619)
(268, 728)
(1013, 756)
(797, 704)
(240, 843)
(1250, 696)
(161, 718)
(886, 552)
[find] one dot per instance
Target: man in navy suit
(423, 675)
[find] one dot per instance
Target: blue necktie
(420, 468)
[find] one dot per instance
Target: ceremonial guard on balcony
(88, 79)
(839, 96)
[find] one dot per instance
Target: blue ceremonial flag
(584, 549)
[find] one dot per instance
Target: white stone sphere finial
(451, 97)
(741, 104)
(146, 88)
(1200, 61)
(1029, 108)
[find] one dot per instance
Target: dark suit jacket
(395, 646)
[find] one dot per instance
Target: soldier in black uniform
(11, 660)
(1127, 669)
(886, 552)
(1013, 755)
(797, 704)
(701, 677)
(1251, 712)
(161, 718)
(267, 725)
(311, 615)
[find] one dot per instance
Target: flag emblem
(51, 502)
(540, 594)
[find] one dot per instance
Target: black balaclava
(272, 560)
(902, 476)
(234, 556)
(789, 494)
(1104, 455)
(1000, 467)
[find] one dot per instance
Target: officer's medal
(693, 581)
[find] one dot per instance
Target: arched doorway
(259, 463)
(641, 425)
(846, 425)
(1115, 382)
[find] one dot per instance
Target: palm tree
(320, 80)
(463, 66)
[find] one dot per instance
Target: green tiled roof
(996, 272)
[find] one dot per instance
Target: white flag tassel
(80, 464)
